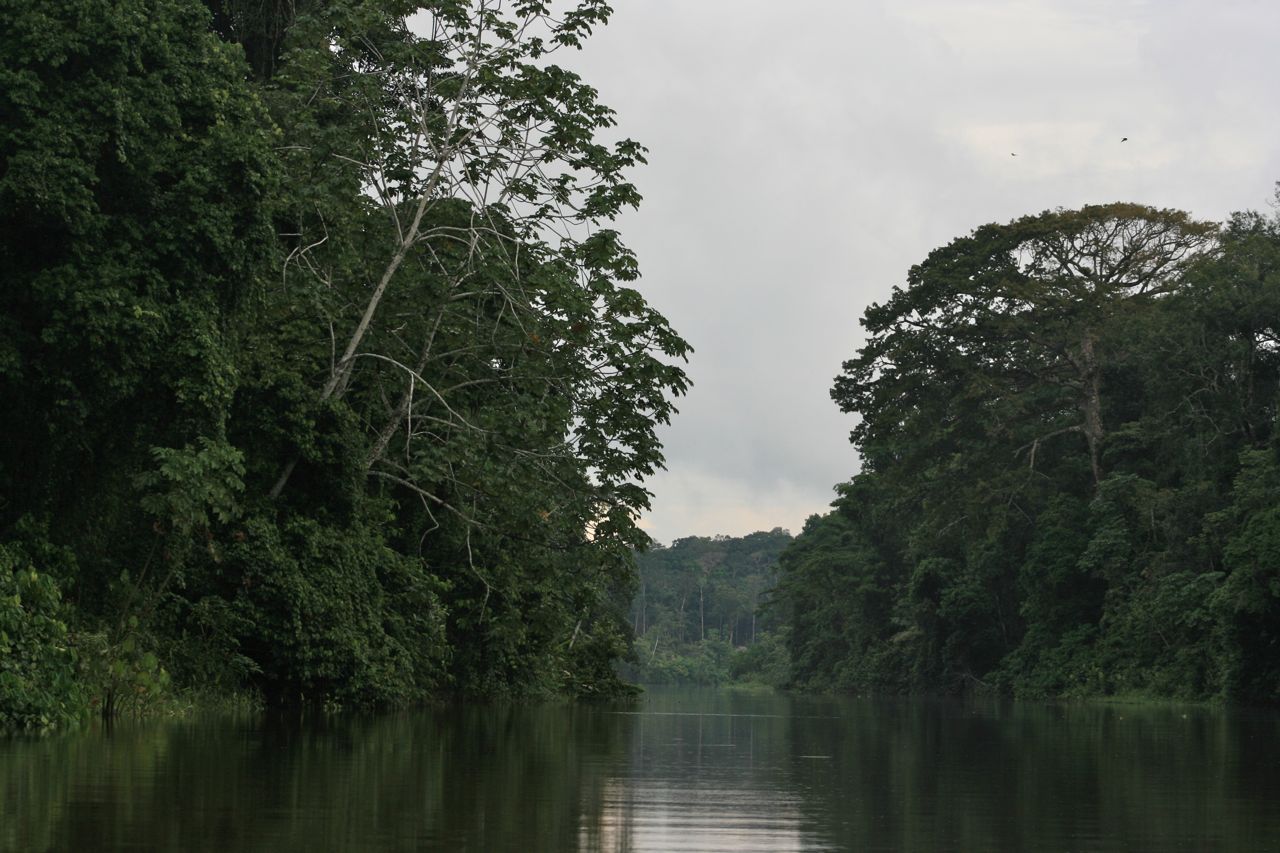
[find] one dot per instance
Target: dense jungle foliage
(698, 614)
(1070, 482)
(323, 379)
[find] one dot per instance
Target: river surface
(698, 770)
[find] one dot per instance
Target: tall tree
(134, 165)
(1015, 317)
(328, 377)
(454, 319)
(1132, 559)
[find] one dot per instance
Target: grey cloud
(804, 157)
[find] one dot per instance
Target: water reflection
(682, 770)
(704, 772)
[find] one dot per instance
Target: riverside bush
(39, 688)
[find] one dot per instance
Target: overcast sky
(804, 154)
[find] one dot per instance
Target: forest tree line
(1069, 480)
(698, 614)
(324, 377)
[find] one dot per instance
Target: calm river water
(677, 770)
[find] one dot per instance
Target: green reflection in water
(681, 769)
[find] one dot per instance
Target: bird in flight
(1011, 154)
(1126, 139)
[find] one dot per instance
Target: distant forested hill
(1070, 482)
(697, 612)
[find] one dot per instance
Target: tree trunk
(702, 616)
(1091, 401)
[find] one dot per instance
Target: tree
(696, 613)
(1135, 561)
(837, 594)
(1014, 318)
(325, 367)
(453, 338)
(134, 164)
(476, 163)
(136, 169)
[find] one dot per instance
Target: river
(679, 769)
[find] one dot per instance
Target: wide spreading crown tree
(1052, 414)
(1011, 329)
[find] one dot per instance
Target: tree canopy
(328, 375)
(700, 615)
(1065, 425)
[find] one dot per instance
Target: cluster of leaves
(1069, 444)
(133, 166)
(40, 684)
(322, 359)
(699, 614)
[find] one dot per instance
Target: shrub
(39, 683)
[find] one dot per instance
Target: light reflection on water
(692, 781)
(693, 770)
